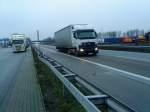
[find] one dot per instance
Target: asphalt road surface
(19, 91)
(125, 79)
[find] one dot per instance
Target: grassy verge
(56, 97)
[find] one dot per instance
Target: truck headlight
(96, 49)
(81, 50)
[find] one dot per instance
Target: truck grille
(88, 46)
(18, 48)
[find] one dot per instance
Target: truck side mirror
(96, 35)
(75, 36)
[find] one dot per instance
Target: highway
(18, 87)
(128, 55)
(9, 65)
(122, 77)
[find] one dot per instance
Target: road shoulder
(24, 94)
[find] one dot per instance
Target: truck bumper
(88, 47)
(88, 51)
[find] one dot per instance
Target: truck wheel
(69, 51)
(25, 49)
(77, 53)
(94, 54)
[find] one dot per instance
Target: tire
(94, 54)
(77, 53)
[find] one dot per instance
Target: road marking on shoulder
(126, 74)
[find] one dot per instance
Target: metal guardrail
(88, 102)
(85, 101)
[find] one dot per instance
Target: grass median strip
(56, 97)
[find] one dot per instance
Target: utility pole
(38, 36)
(38, 39)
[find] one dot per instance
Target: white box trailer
(77, 39)
(19, 42)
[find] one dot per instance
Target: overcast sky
(48, 16)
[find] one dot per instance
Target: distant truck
(77, 39)
(19, 42)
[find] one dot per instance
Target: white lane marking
(127, 74)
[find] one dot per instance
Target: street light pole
(38, 36)
(38, 39)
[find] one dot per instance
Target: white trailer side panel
(63, 38)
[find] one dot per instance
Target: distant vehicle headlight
(81, 50)
(96, 49)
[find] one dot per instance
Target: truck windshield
(17, 42)
(86, 34)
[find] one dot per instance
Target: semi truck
(79, 39)
(19, 42)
